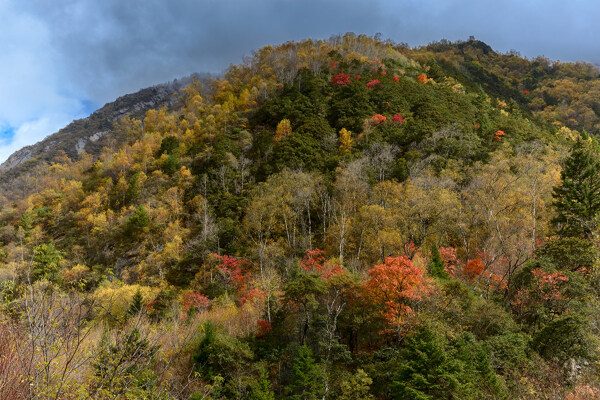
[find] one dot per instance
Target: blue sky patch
(7, 133)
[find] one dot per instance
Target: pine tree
(306, 382)
(437, 266)
(577, 198)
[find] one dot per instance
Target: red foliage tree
(341, 79)
(544, 291)
(498, 135)
(373, 83)
(398, 118)
(448, 255)
(422, 78)
(314, 261)
(195, 301)
(357, 77)
(396, 79)
(264, 327)
(394, 287)
(234, 270)
(384, 73)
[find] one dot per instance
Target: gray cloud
(65, 54)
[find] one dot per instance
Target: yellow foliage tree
(284, 128)
(346, 141)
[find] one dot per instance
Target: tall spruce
(577, 198)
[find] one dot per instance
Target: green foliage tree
(577, 198)
(138, 221)
(566, 338)
(432, 367)
(46, 261)
(306, 380)
(429, 372)
(437, 266)
(137, 303)
(357, 387)
(261, 389)
(124, 365)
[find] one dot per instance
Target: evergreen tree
(429, 371)
(357, 387)
(437, 266)
(306, 382)
(137, 303)
(261, 389)
(577, 198)
(138, 221)
(201, 357)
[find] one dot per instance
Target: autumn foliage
(473, 268)
(341, 79)
(395, 286)
(498, 135)
(284, 128)
(373, 83)
(378, 119)
(398, 118)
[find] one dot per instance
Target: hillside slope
(340, 219)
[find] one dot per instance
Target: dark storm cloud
(67, 54)
(115, 46)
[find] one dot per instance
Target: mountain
(345, 218)
(87, 135)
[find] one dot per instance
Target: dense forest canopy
(332, 219)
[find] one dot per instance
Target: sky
(62, 59)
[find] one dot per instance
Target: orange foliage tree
(395, 286)
(473, 269)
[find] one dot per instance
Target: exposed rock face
(90, 135)
(80, 134)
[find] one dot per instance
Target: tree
(577, 198)
(429, 371)
(284, 128)
(47, 260)
(261, 389)
(357, 387)
(345, 141)
(395, 286)
(437, 266)
(138, 221)
(137, 303)
(306, 381)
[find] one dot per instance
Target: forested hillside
(333, 219)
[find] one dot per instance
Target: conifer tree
(357, 387)
(577, 198)
(306, 382)
(261, 390)
(437, 266)
(137, 303)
